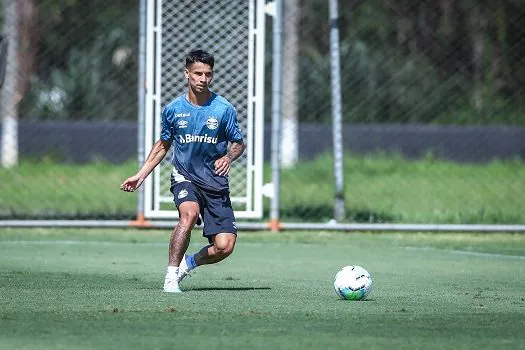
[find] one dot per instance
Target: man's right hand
(132, 183)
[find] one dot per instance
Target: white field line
(159, 244)
(466, 252)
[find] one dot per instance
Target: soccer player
(201, 124)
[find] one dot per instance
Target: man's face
(199, 76)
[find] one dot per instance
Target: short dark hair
(200, 56)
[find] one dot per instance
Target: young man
(200, 124)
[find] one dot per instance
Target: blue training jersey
(200, 136)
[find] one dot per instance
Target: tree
(10, 94)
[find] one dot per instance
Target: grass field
(101, 289)
(377, 189)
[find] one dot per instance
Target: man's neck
(199, 99)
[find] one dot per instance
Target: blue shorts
(215, 208)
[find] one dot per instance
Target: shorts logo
(212, 123)
(234, 225)
(183, 193)
(182, 123)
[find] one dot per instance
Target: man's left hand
(223, 166)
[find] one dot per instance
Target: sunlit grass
(102, 289)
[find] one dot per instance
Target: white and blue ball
(353, 283)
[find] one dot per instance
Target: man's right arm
(156, 155)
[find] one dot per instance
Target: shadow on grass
(358, 301)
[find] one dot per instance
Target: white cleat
(183, 270)
(171, 285)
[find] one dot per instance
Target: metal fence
(414, 76)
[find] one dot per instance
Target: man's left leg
(220, 229)
(222, 246)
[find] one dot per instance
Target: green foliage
(401, 62)
(87, 65)
(85, 88)
(414, 62)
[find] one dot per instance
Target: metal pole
(276, 114)
(141, 102)
(291, 226)
(339, 200)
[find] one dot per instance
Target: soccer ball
(353, 283)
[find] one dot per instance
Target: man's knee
(225, 243)
(188, 218)
(188, 213)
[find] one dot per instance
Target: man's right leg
(179, 242)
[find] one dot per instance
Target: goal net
(233, 31)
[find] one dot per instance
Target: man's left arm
(223, 164)
(236, 150)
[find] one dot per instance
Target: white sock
(173, 270)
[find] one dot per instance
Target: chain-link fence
(70, 99)
(431, 104)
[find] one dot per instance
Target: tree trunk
(9, 97)
(27, 44)
(478, 26)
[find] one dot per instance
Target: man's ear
(186, 73)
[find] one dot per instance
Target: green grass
(378, 188)
(55, 190)
(101, 289)
(393, 189)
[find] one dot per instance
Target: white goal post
(234, 32)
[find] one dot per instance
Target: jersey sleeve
(233, 132)
(167, 132)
